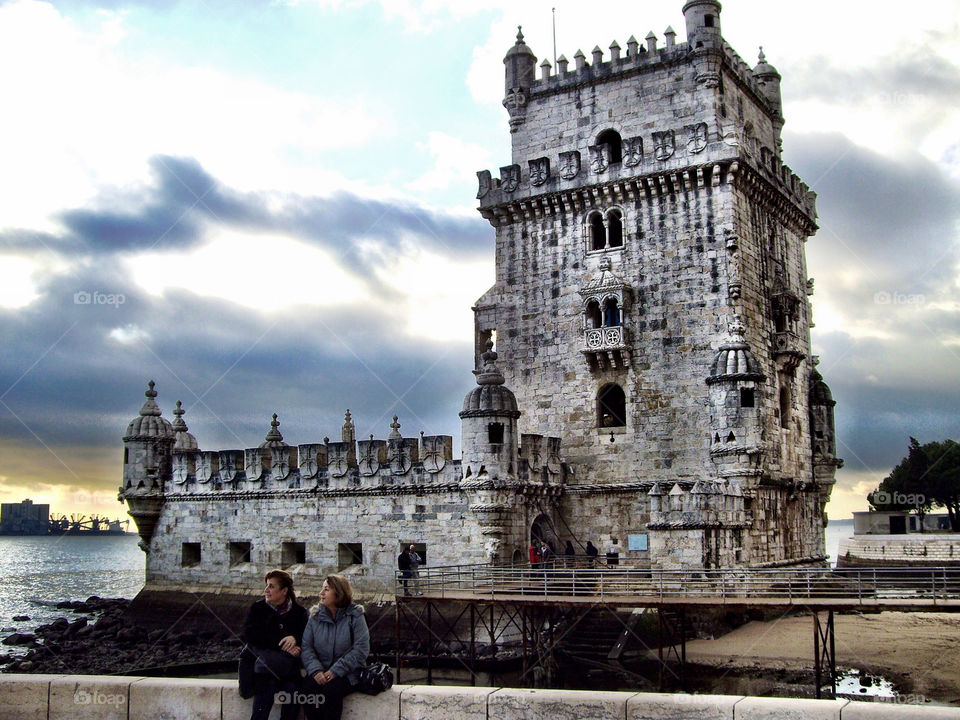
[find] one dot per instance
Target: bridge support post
(824, 652)
(672, 627)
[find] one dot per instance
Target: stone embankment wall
(92, 697)
(899, 550)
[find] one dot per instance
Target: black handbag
(375, 678)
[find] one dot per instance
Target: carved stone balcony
(788, 348)
(607, 348)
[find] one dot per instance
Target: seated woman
(336, 643)
(273, 633)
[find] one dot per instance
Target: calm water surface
(39, 572)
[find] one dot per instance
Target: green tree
(929, 476)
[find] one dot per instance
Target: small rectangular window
(189, 554)
(293, 553)
(349, 554)
(495, 433)
(708, 20)
(239, 553)
(746, 398)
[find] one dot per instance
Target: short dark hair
(284, 579)
(341, 586)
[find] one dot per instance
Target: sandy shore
(918, 652)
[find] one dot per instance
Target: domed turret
(273, 438)
(185, 441)
(149, 423)
(520, 72)
(769, 79)
(489, 424)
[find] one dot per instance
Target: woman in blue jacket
(336, 643)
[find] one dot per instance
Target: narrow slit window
(614, 229)
(598, 233)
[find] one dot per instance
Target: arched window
(611, 407)
(598, 233)
(611, 313)
(594, 318)
(614, 229)
(611, 138)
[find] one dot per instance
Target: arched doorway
(542, 529)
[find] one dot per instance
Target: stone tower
(651, 299)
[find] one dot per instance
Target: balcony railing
(606, 347)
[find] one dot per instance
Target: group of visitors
(299, 658)
(540, 553)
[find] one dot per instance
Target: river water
(39, 572)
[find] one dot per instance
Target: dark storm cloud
(174, 211)
(231, 368)
(887, 249)
(912, 75)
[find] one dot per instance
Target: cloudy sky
(270, 208)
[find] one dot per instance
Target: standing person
(336, 643)
(534, 552)
(568, 554)
(592, 552)
(415, 562)
(403, 565)
(545, 553)
(270, 661)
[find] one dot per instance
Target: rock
(19, 639)
(21, 618)
(26, 665)
(155, 635)
(75, 627)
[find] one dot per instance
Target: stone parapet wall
(93, 697)
(914, 549)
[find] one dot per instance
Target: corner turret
(520, 73)
(489, 424)
(703, 37)
(769, 80)
(147, 465)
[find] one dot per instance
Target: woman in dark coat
(270, 662)
(336, 643)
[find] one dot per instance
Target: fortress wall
(900, 550)
(91, 697)
(323, 523)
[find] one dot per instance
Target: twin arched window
(606, 231)
(607, 315)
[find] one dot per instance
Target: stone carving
(436, 450)
(339, 458)
(312, 457)
(664, 144)
(633, 151)
(599, 158)
(569, 164)
(696, 137)
(510, 178)
(532, 448)
(539, 171)
(553, 455)
(485, 182)
(231, 463)
(401, 456)
(207, 464)
(253, 464)
(181, 468)
(279, 463)
(371, 456)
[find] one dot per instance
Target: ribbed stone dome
(519, 48)
(149, 423)
(734, 361)
(185, 440)
(273, 439)
(491, 396)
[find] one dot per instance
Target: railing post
(860, 587)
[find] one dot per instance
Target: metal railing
(579, 577)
